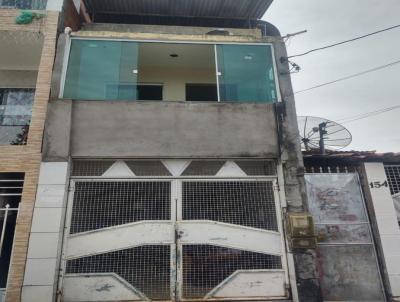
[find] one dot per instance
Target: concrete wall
(171, 30)
(159, 129)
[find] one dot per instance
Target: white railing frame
(6, 210)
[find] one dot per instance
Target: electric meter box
(300, 225)
(301, 230)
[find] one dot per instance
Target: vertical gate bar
(280, 229)
(179, 255)
(173, 246)
(289, 259)
(3, 231)
(173, 272)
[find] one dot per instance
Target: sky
(327, 22)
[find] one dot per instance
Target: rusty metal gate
(173, 239)
(348, 265)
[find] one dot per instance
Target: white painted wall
(45, 239)
(386, 219)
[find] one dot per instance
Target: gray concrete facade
(127, 129)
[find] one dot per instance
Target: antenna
(294, 34)
(321, 134)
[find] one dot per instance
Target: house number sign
(378, 184)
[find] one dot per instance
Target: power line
(371, 114)
(349, 77)
(343, 42)
(378, 111)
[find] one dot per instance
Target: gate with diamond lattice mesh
(173, 239)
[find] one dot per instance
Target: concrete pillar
(386, 222)
(305, 261)
(45, 239)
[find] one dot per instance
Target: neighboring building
(170, 166)
(353, 197)
(26, 62)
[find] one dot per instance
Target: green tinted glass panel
(246, 73)
(102, 70)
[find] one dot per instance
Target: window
(201, 92)
(15, 115)
(122, 70)
(150, 92)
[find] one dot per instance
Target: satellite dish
(320, 134)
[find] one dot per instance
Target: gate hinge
(276, 187)
(71, 189)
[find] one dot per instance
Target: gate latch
(178, 234)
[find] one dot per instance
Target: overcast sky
(329, 21)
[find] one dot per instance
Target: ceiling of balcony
(188, 56)
(232, 9)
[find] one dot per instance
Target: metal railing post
(3, 231)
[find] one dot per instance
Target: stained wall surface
(159, 129)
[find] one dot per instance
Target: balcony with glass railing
(15, 115)
(143, 71)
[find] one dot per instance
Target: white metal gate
(173, 239)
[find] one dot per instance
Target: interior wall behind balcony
(18, 78)
(174, 80)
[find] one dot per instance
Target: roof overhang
(231, 9)
(351, 156)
